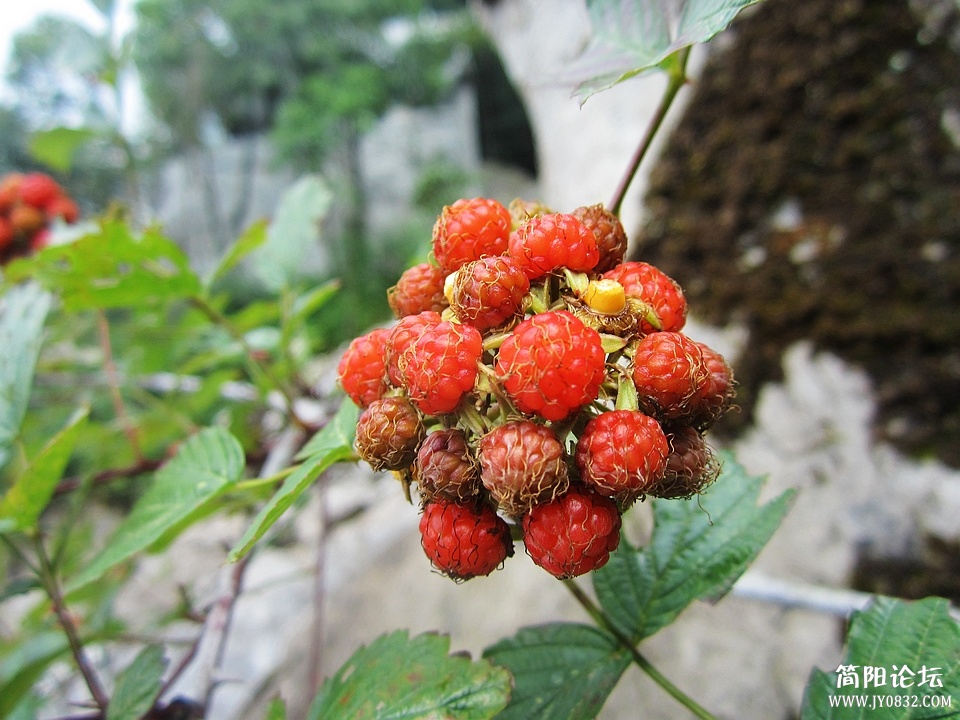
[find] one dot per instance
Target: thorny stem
(676, 78)
(257, 368)
(48, 578)
(601, 619)
(113, 378)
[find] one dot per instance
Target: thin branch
(110, 367)
(601, 619)
(105, 477)
(676, 78)
(52, 586)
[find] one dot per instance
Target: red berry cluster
(28, 204)
(535, 384)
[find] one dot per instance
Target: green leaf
(338, 433)
(32, 490)
(56, 147)
(294, 232)
(561, 671)
(401, 677)
(631, 37)
(332, 444)
(112, 268)
(698, 549)
(917, 641)
(205, 466)
(138, 686)
(17, 686)
(277, 710)
(22, 315)
(250, 240)
(311, 301)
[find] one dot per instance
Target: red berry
(573, 534)
(26, 219)
(521, 464)
(622, 454)
(445, 467)
(548, 242)
(64, 208)
(10, 191)
(389, 433)
(489, 291)
(40, 239)
(39, 190)
(717, 390)
(468, 230)
(441, 367)
(552, 364)
(653, 287)
(611, 237)
(362, 372)
(690, 467)
(404, 334)
(464, 541)
(669, 374)
(6, 233)
(419, 288)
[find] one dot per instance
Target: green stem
(113, 378)
(256, 483)
(676, 78)
(257, 368)
(48, 578)
(604, 622)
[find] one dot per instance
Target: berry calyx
(552, 364)
(389, 432)
(549, 242)
(361, 371)
(441, 366)
(489, 291)
(572, 534)
(522, 464)
(622, 454)
(469, 229)
(464, 541)
(420, 288)
(656, 289)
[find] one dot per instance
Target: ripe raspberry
(717, 390)
(445, 467)
(622, 454)
(468, 230)
(40, 239)
(404, 334)
(548, 242)
(441, 367)
(26, 220)
(64, 208)
(361, 370)
(489, 291)
(464, 541)
(419, 288)
(691, 466)
(521, 464)
(389, 433)
(669, 373)
(573, 534)
(552, 364)
(650, 285)
(611, 237)
(38, 190)
(6, 233)
(10, 191)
